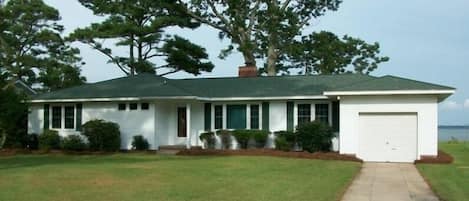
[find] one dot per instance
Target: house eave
(389, 92)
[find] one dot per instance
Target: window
(236, 116)
(145, 106)
(218, 117)
(322, 113)
(69, 117)
(121, 106)
(182, 118)
(254, 116)
(133, 106)
(56, 117)
(304, 113)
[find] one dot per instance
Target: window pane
(304, 113)
(56, 117)
(254, 116)
(133, 106)
(122, 106)
(69, 117)
(218, 117)
(145, 106)
(322, 113)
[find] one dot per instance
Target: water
(447, 133)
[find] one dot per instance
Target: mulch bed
(442, 158)
(269, 152)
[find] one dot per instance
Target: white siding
(131, 122)
(424, 106)
(278, 116)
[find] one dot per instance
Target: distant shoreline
(453, 127)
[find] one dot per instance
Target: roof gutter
(175, 98)
(389, 92)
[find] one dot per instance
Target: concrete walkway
(389, 181)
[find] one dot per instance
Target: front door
(182, 119)
(236, 116)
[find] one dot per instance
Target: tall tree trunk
(131, 56)
(249, 59)
(272, 57)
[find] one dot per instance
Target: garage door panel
(387, 137)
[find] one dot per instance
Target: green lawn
(451, 182)
(153, 177)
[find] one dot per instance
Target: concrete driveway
(389, 181)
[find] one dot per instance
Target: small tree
(315, 136)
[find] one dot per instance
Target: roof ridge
(416, 81)
(280, 76)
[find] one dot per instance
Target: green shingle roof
(147, 85)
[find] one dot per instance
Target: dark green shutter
(335, 116)
(78, 117)
(290, 116)
(46, 117)
(265, 116)
(208, 116)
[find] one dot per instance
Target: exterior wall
(35, 118)
(131, 122)
(425, 107)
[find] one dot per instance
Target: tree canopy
(31, 46)
(139, 26)
(274, 31)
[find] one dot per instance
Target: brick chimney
(247, 71)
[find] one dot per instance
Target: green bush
(209, 138)
(48, 140)
(102, 135)
(32, 141)
(281, 143)
(242, 137)
(260, 136)
(140, 143)
(315, 136)
(74, 143)
(225, 137)
(285, 140)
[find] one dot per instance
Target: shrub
(225, 137)
(281, 143)
(140, 143)
(242, 137)
(260, 136)
(285, 140)
(209, 138)
(74, 143)
(315, 136)
(102, 135)
(32, 141)
(48, 140)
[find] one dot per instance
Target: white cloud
(453, 105)
(466, 103)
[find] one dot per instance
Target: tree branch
(93, 45)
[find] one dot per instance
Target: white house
(378, 118)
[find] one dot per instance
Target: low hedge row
(245, 138)
(97, 135)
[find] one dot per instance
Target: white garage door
(387, 137)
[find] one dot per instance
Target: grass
(154, 177)
(450, 181)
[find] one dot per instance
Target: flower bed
(441, 158)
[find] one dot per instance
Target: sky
(425, 40)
